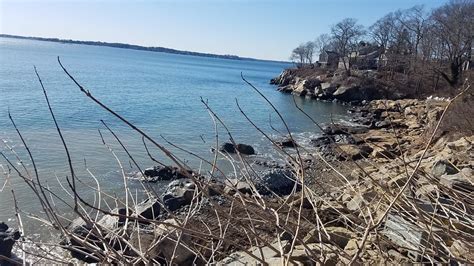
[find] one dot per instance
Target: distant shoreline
(136, 47)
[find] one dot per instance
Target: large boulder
(242, 148)
(306, 86)
(159, 173)
(328, 88)
(8, 236)
(178, 194)
(285, 78)
(245, 149)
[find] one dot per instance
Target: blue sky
(261, 28)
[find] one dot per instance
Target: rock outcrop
(355, 89)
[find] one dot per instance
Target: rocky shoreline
(360, 87)
(375, 153)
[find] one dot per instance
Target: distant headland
(135, 47)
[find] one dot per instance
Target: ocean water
(160, 93)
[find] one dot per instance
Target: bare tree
(454, 26)
(309, 52)
(322, 42)
(346, 34)
(299, 55)
(414, 21)
(383, 31)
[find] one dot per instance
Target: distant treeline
(131, 46)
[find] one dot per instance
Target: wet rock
(443, 167)
(328, 88)
(178, 194)
(245, 149)
(8, 236)
(287, 143)
(242, 148)
(159, 173)
(227, 147)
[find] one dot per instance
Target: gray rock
(405, 234)
(443, 167)
(178, 194)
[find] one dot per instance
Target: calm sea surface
(158, 92)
